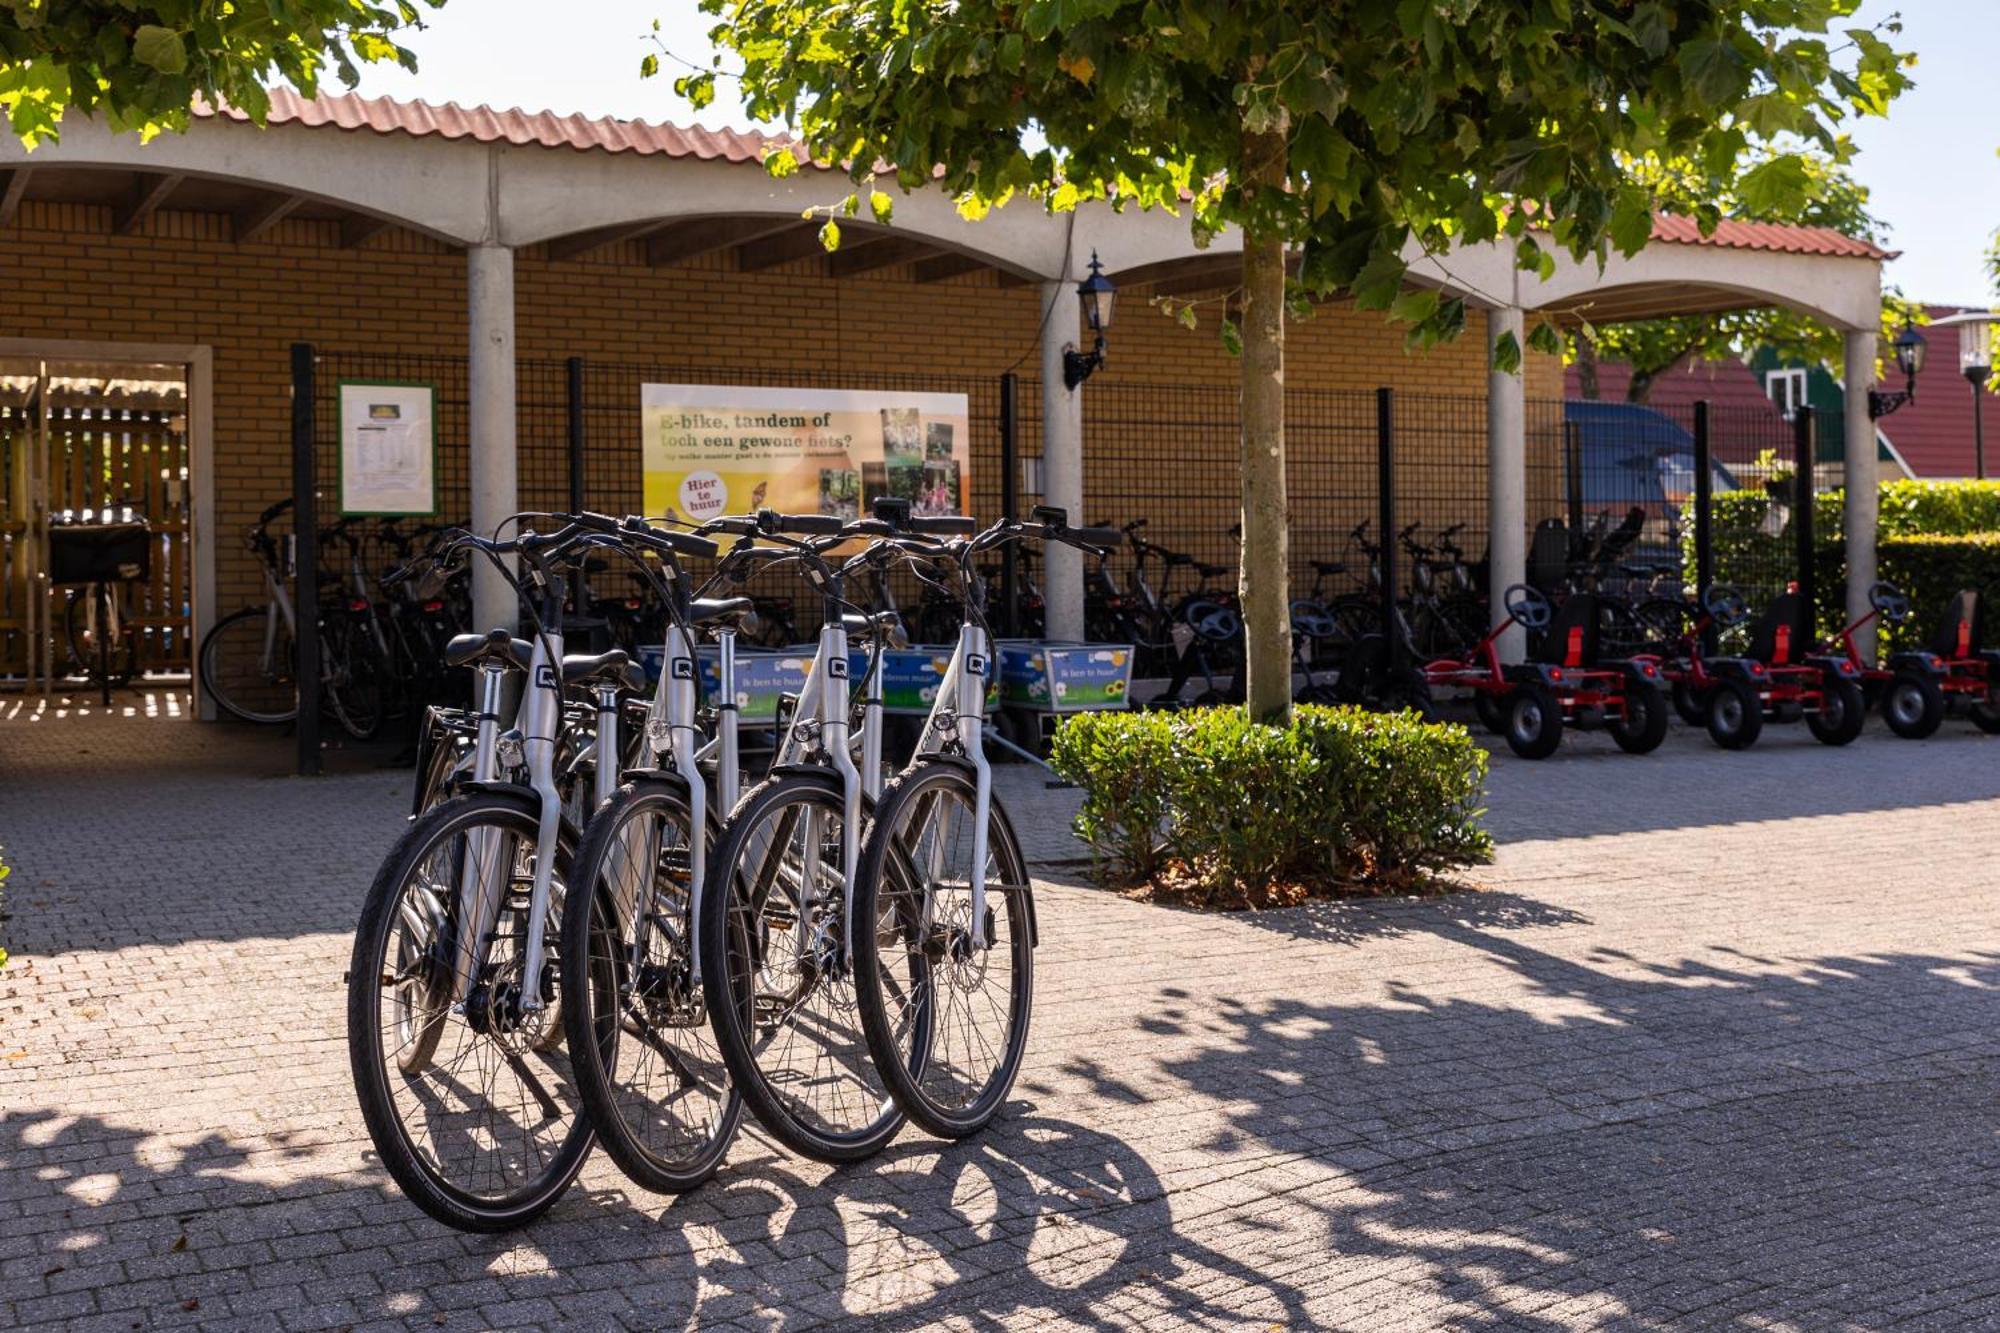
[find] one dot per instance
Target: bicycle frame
(959, 711)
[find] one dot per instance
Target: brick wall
(180, 279)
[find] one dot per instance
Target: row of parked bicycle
(590, 934)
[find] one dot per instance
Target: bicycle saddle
(494, 646)
(610, 668)
(1329, 566)
(708, 610)
(887, 625)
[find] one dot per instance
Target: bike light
(433, 606)
(357, 603)
(1555, 673)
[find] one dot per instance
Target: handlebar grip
(804, 525)
(944, 525)
(1096, 536)
(681, 543)
(275, 510)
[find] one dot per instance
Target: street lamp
(1910, 350)
(1096, 295)
(1975, 362)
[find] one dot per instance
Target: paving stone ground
(1714, 1046)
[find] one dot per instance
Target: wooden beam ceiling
(357, 229)
(149, 192)
(583, 242)
(13, 186)
(798, 241)
(949, 265)
(875, 253)
(255, 221)
(678, 242)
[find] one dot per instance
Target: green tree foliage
(142, 65)
(1343, 131)
(1832, 199)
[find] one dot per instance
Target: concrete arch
(429, 186)
(1842, 291)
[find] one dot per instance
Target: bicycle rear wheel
(84, 622)
(779, 990)
(650, 1072)
(246, 666)
(946, 1017)
(473, 1107)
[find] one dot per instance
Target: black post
(1385, 516)
(1704, 513)
(1803, 437)
(1573, 461)
(1010, 501)
(575, 387)
(1978, 427)
(305, 558)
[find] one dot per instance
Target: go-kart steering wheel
(1528, 606)
(1889, 603)
(1725, 605)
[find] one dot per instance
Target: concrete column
(1506, 473)
(490, 380)
(1062, 461)
(1863, 482)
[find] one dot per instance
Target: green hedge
(1226, 812)
(1934, 538)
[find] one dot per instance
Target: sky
(1931, 166)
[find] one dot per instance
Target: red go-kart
(1783, 676)
(1953, 671)
(1563, 682)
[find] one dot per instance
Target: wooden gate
(91, 438)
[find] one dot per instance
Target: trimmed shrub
(1210, 807)
(1934, 538)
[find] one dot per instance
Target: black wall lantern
(1910, 348)
(1096, 294)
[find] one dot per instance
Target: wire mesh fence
(1609, 480)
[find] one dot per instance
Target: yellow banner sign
(716, 449)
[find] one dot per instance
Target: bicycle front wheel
(945, 1000)
(648, 1067)
(246, 666)
(780, 992)
(472, 1105)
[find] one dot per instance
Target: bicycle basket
(99, 552)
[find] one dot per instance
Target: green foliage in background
(141, 66)
(1238, 813)
(1934, 538)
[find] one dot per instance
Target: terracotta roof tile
(1771, 236)
(484, 124)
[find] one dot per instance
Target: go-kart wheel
(1986, 713)
(1692, 707)
(1407, 692)
(1534, 721)
(1914, 705)
(1842, 710)
(1643, 725)
(1735, 715)
(1319, 692)
(1491, 714)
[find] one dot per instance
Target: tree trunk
(1266, 577)
(1641, 386)
(1586, 367)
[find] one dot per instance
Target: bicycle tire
(221, 659)
(352, 677)
(949, 1088)
(81, 642)
(606, 1011)
(563, 1137)
(738, 980)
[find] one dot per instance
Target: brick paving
(1715, 1047)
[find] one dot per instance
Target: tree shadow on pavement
(1745, 1143)
(1035, 1218)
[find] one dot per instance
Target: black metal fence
(1171, 454)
